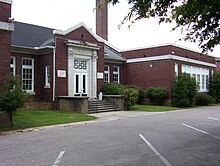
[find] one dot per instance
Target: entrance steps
(96, 106)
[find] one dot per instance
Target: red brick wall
(5, 9)
(150, 74)
(5, 45)
(102, 20)
(5, 49)
(46, 93)
(167, 50)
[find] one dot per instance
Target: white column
(94, 74)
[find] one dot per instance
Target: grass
(150, 108)
(36, 118)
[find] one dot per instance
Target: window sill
(47, 86)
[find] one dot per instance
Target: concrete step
(96, 106)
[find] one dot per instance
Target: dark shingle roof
(27, 35)
(111, 54)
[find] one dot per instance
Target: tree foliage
(214, 87)
(12, 98)
(184, 91)
(199, 19)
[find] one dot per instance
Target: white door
(80, 84)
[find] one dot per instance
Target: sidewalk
(108, 116)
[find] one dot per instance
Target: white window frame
(32, 79)
(116, 73)
(176, 69)
(13, 66)
(47, 76)
(202, 74)
(107, 72)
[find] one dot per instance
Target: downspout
(54, 71)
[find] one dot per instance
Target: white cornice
(60, 32)
(6, 26)
(166, 57)
(6, 1)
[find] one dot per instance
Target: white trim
(6, 1)
(60, 32)
(98, 38)
(13, 65)
(6, 26)
(166, 57)
(47, 74)
(107, 72)
(29, 67)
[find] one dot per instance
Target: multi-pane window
(47, 76)
(28, 74)
(200, 74)
(106, 74)
(12, 66)
(80, 64)
(116, 74)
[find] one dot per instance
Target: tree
(12, 98)
(184, 91)
(199, 19)
(214, 87)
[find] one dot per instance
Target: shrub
(157, 96)
(132, 96)
(203, 99)
(184, 91)
(214, 87)
(113, 89)
(13, 98)
(140, 90)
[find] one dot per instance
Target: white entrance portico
(82, 69)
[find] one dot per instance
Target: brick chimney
(102, 20)
(5, 41)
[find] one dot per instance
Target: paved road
(190, 137)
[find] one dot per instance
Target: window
(47, 77)
(80, 64)
(116, 74)
(203, 81)
(176, 69)
(106, 74)
(12, 66)
(200, 74)
(28, 74)
(198, 80)
(207, 82)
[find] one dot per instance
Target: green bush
(140, 90)
(184, 91)
(132, 96)
(112, 89)
(203, 99)
(157, 96)
(12, 98)
(214, 87)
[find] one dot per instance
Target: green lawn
(150, 108)
(36, 118)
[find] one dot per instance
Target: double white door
(80, 84)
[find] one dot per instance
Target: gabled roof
(60, 32)
(27, 35)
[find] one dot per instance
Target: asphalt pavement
(184, 137)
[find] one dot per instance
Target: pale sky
(64, 14)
